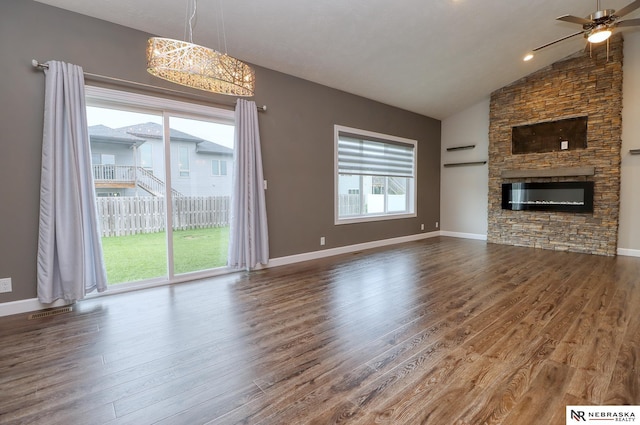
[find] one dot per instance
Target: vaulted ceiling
(431, 57)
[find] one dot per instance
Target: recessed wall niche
(550, 136)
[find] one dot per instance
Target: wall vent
(52, 312)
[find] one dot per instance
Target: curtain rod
(133, 84)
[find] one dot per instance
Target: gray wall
(296, 132)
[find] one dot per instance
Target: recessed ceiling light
(528, 57)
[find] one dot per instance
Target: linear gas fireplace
(556, 196)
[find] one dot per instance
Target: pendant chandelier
(191, 65)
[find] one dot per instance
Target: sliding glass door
(162, 173)
(201, 195)
(130, 198)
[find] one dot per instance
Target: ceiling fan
(598, 26)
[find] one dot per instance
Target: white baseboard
(629, 252)
(291, 259)
(32, 304)
(29, 305)
(26, 306)
(463, 235)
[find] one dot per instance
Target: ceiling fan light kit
(598, 27)
(599, 35)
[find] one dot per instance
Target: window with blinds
(375, 176)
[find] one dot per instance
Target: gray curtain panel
(70, 262)
(248, 237)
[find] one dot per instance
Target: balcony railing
(114, 173)
(132, 175)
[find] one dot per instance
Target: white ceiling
(431, 57)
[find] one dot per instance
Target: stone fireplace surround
(579, 85)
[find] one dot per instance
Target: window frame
(166, 107)
(155, 104)
(412, 190)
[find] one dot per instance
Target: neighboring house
(129, 161)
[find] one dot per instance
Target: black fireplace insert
(555, 196)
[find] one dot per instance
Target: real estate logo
(577, 415)
(601, 414)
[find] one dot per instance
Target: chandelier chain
(191, 18)
(224, 32)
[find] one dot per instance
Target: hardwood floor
(441, 331)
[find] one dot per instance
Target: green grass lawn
(138, 257)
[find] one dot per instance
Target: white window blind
(360, 156)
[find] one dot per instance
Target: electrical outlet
(437, 224)
(5, 285)
(322, 240)
(422, 226)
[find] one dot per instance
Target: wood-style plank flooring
(441, 331)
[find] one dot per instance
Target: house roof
(140, 133)
(151, 130)
(213, 148)
(102, 133)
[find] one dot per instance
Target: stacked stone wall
(581, 85)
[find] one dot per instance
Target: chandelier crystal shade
(199, 67)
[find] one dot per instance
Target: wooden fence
(121, 216)
(349, 205)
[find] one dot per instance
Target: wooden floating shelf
(459, 148)
(634, 151)
(549, 172)
(460, 164)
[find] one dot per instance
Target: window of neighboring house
(103, 159)
(146, 156)
(183, 161)
(375, 176)
(103, 166)
(218, 167)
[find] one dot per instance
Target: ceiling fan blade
(628, 23)
(557, 41)
(575, 20)
(627, 9)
